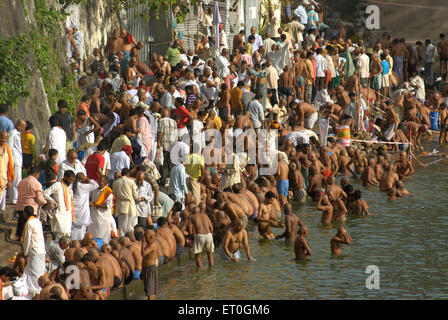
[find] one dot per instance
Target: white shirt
(57, 140)
(118, 161)
(257, 43)
(300, 11)
(419, 85)
(223, 66)
(430, 53)
(81, 203)
(198, 135)
(223, 40)
(34, 237)
(65, 166)
(91, 151)
(62, 220)
(144, 207)
(297, 137)
(179, 150)
(15, 144)
(321, 65)
(363, 66)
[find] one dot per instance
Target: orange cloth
(326, 174)
(10, 165)
(85, 107)
(1, 289)
(22, 238)
(103, 196)
(68, 191)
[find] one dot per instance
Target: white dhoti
(78, 232)
(3, 200)
(311, 120)
(102, 224)
(126, 223)
(153, 151)
(34, 269)
(13, 192)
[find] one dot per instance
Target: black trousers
(20, 224)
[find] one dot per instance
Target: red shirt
(94, 161)
(183, 113)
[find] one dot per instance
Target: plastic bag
(159, 157)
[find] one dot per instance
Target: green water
(407, 239)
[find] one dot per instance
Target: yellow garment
(193, 165)
(28, 144)
(119, 143)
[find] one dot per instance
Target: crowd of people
(123, 184)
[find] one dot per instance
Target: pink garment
(143, 123)
(247, 58)
(29, 194)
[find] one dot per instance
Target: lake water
(406, 239)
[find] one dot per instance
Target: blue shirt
(6, 124)
(178, 181)
(385, 66)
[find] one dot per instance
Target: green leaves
(14, 72)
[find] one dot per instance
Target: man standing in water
(149, 275)
(341, 237)
(203, 236)
(292, 222)
(234, 239)
(301, 246)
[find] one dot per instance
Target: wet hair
(269, 195)
(217, 204)
(177, 206)
(348, 188)
(162, 221)
(357, 194)
(139, 232)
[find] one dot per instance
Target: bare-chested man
(164, 231)
(299, 69)
(443, 120)
(389, 178)
(114, 44)
(150, 254)
(264, 213)
(369, 175)
(359, 206)
(325, 206)
(282, 180)
(296, 183)
(107, 259)
(403, 167)
(442, 48)
(235, 239)
(316, 181)
(345, 165)
(341, 237)
(292, 222)
(302, 248)
(360, 162)
(135, 248)
(202, 230)
(286, 84)
(307, 115)
(46, 284)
